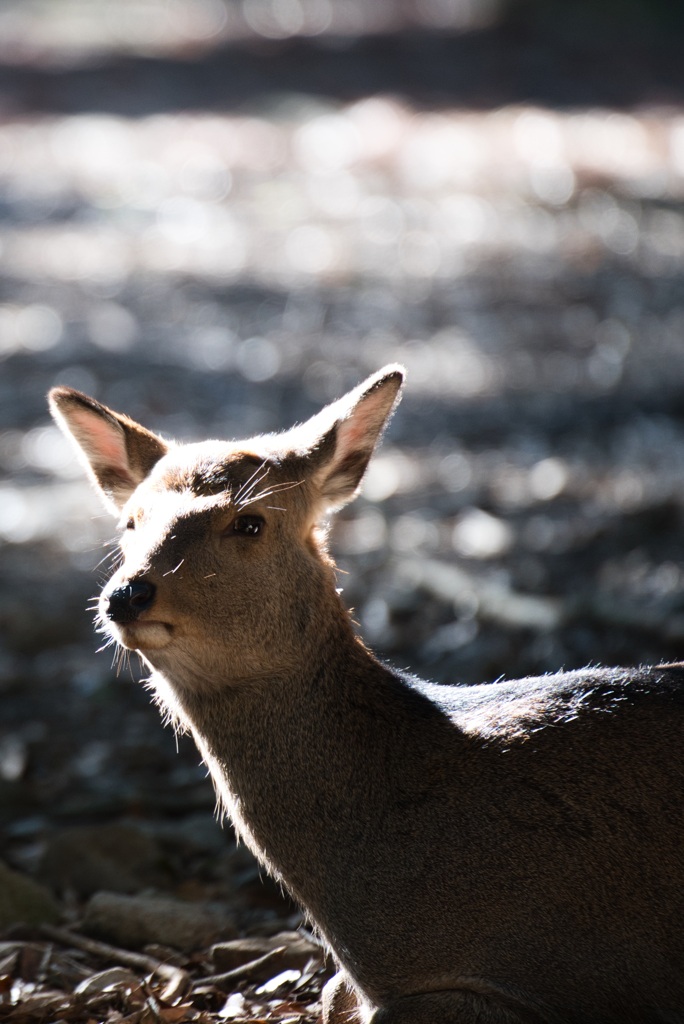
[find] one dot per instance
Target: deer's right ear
(117, 452)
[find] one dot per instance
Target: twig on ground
(178, 980)
(241, 972)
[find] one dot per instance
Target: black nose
(125, 603)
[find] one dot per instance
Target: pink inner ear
(351, 433)
(360, 430)
(104, 442)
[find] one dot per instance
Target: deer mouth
(144, 635)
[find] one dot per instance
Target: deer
(499, 853)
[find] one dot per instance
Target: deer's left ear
(117, 452)
(343, 436)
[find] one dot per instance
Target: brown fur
(504, 853)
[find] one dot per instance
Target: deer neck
(281, 750)
(307, 764)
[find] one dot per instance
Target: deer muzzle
(127, 602)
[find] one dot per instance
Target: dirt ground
(217, 237)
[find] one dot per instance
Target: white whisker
(171, 571)
(252, 482)
(269, 491)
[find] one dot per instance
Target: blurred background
(216, 215)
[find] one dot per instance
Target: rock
(192, 834)
(135, 921)
(23, 901)
(117, 858)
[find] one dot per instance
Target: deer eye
(248, 526)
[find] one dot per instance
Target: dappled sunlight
(80, 29)
(52, 513)
(372, 188)
(54, 507)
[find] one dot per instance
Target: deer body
(503, 853)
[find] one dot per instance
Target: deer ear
(117, 452)
(347, 432)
